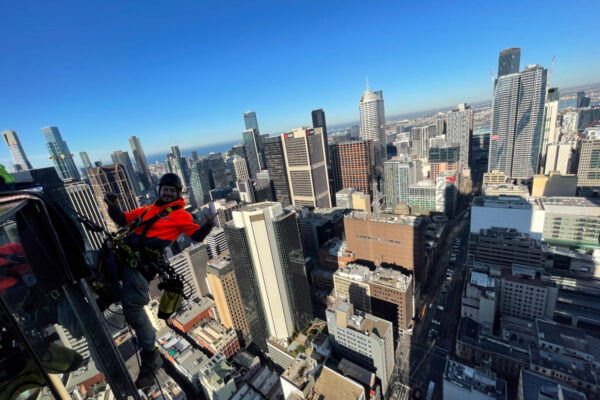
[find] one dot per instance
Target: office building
(353, 165)
(582, 100)
(472, 383)
(304, 153)
(217, 379)
(240, 168)
(122, 157)
(441, 123)
(506, 189)
(20, 160)
(384, 292)
(224, 288)
(275, 160)
(372, 125)
(362, 338)
(59, 154)
(178, 165)
(388, 238)
(318, 226)
(559, 158)
(250, 120)
(551, 133)
(216, 165)
(446, 192)
(479, 299)
(112, 178)
(264, 243)
(586, 117)
(422, 197)
(396, 178)
(569, 122)
(191, 264)
(361, 201)
(443, 158)
(254, 153)
(318, 121)
(535, 387)
(588, 167)
(333, 385)
(353, 132)
(572, 222)
(459, 131)
(216, 242)
(509, 61)
(420, 140)
(553, 185)
(343, 198)
(517, 119)
(200, 183)
(505, 247)
(83, 201)
(85, 159)
(416, 171)
(140, 162)
(216, 338)
(521, 214)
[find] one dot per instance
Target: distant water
(567, 103)
(201, 150)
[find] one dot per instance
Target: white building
(559, 157)
(524, 215)
(372, 125)
(466, 383)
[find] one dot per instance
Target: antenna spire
(367, 79)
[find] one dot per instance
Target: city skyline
(91, 103)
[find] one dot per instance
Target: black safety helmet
(170, 179)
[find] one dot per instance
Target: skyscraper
(528, 135)
(265, 248)
(353, 165)
(588, 168)
(250, 120)
(551, 134)
(240, 167)
(582, 100)
(85, 159)
(60, 154)
(273, 148)
(372, 125)
(516, 132)
(419, 139)
(84, 202)
(20, 159)
(318, 121)
(304, 152)
(216, 164)
(122, 157)
(252, 144)
(396, 177)
(509, 61)
(112, 178)
(459, 131)
(200, 183)
(140, 162)
(224, 287)
(177, 165)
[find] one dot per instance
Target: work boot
(151, 363)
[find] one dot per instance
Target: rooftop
(333, 386)
(301, 369)
(535, 386)
(219, 266)
(382, 276)
(359, 321)
(577, 206)
(356, 372)
(218, 371)
(478, 379)
(562, 363)
(482, 280)
(385, 218)
(191, 310)
(562, 335)
(507, 202)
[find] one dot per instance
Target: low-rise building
(505, 189)
(362, 338)
(479, 299)
(217, 379)
(216, 338)
(298, 380)
(191, 314)
(572, 221)
(554, 184)
(332, 385)
(505, 247)
(535, 387)
(472, 383)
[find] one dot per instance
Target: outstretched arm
(114, 211)
(196, 232)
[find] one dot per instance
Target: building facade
(275, 160)
(140, 162)
(59, 153)
(252, 144)
(353, 165)
(459, 131)
(396, 177)
(122, 157)
(85, 203)
(20, 160)
(372, 125)
(304, 152)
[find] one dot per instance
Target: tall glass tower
(16, 150)
(372, 125)
(60, 154)
(509, 61)
(250, 120)
(140, 162)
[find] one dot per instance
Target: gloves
(111, 199)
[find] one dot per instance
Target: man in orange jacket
(158, 226)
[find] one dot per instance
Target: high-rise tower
(304, 152)
(60, 154)
(265, 248)
(517, 111)
(372, 125)
(85, 203)
(275, 160)
(396, 175)
(550, 132)
(85, 159)
(459, 131)
(112, 178)
(140, 162)
(16, 150)
(122, 157)
(509, 61)
(250, 120)
(253, 146)
(353, 165)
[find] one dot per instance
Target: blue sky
(184, 72)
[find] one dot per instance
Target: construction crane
(550, 71)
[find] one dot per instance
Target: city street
(420, 357)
